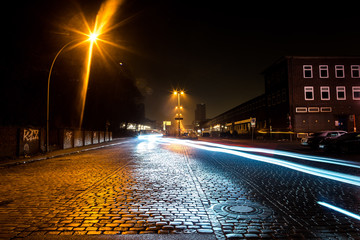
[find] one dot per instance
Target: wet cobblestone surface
(143, 187)
(284, 201)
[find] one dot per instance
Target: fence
(20, 141)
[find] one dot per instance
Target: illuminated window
(355, 71)
(325, 93)
(356, 93)
(307, 71)
(326, 109)
(301, 109)
(339, 71)
(324, 71)
(309, 93)
(313, 109)
(340, 93)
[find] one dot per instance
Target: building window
(356, 93)
(309, 93)
(355, 71)
(324, 71)
(325, 93)
(301, 109)
(326, 109)
(313, 109)
(339, 71)
(307, 71)
(340, 93)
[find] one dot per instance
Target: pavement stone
(149, 190)
(96, 193)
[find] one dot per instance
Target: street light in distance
(179, 116)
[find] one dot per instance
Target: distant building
(303, 95)
(200, 114)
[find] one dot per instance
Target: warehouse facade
(302, 95)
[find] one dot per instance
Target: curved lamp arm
(48, 93)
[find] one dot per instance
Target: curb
(62, 152)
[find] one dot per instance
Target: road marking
(286, 154)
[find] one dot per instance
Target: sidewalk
(60, 152)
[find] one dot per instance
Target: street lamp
(179, 108)
(48, 94)
(92, 38)
(102, 25)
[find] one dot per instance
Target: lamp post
(179, 108)
(92, 38)
(48, 94)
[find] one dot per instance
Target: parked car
(206, 134)
(190, 135)
(349, 142)
(314, 140)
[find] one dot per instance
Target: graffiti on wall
(68, 136)
(31, 134)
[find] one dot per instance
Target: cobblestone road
(143, 187)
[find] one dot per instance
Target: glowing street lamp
(102, 26)
(48, 94)
(92, 38)
(179, 108)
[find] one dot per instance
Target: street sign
(179, 118)
(253, 122)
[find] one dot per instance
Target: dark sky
(215, 51)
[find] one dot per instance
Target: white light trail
(150, 136)
(337, 176)
(343, 211)
(286, 154)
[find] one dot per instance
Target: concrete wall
(78, 138)
(21, 141)
(88, 138)
(29, 141)
(101, 137)
(95, 138)
(107, 137)
(68, 139)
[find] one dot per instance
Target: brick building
(302, 94)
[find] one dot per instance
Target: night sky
(215, 51)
